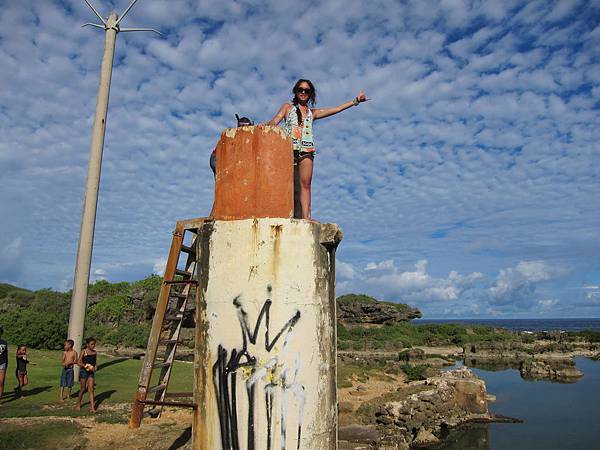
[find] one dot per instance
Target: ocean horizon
(522, 324)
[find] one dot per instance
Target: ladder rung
(161, 364)
(163, 403)
(158, 387)
(178, 394)
(183, 273)
(186, 249)
(192, 282)
(170, 318)
(177, 295)
(169, 341)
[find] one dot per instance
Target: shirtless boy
(69, 359)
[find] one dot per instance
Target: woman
(299, 115)
(87, 372)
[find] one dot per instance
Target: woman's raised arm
(326, 112)
(279, 116)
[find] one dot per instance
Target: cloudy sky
(468, 186)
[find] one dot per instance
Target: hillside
(120, 314)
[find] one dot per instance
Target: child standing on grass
(87, 372)
(3, 361)
(21, 371)
(69, 359)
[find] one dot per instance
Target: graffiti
(243, 365)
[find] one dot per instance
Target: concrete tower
(265, 365)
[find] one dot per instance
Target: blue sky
(468, 186)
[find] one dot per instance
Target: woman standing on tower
(299, 115)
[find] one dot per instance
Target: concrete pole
(90, 201)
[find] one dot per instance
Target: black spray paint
(225, 372)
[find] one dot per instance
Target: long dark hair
(312, 99)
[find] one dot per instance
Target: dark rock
(424, 438)
(412, 354)
(362, 309)
(561, 369)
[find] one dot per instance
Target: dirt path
(172, 430)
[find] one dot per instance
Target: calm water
(526, 324)
(556, 416)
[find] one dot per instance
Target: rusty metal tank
(254, 174)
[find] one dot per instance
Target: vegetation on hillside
(118, 313)
(406, 334)
(121, 314)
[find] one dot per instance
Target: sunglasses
(303, 91)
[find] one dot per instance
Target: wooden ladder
(178, 286)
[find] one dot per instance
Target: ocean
(525, 324)
(556, 416)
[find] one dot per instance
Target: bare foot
(93, 410)
(77, 407)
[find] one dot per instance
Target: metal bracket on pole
(105, 25)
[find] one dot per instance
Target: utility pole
(88, 219)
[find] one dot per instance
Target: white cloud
(477, 150)
(385, 280)
(159, 266)
(547, 304)
(515, 287)
(12, 261)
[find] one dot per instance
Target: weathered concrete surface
(255, 171)
(265, 336)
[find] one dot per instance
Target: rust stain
(276, 231)
(254, 174)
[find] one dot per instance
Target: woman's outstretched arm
(279, 116)
(326, 112)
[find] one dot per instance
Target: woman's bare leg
(81, 391)
(306, 172)
(2, 376)
(90, 387)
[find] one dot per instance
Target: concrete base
(265, 360)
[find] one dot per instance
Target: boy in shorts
(69, 359)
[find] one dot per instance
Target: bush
(111, 309)
(127, 334)
(416, 372)
(29, 327)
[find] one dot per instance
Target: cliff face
(365, 310)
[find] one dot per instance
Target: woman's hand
(362, 97)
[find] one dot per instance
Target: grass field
(116, 382)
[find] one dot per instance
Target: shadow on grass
(103, 396)
(11, 397)
(182, 439)
(106, 364)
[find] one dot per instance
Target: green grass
(42, 435)
(116, 382)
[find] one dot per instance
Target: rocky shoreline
(421, 412)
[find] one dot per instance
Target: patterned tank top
(302, 136)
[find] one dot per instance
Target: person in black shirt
(21, 371)
(3, 360)
(87, 372)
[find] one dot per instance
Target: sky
(467, 186)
